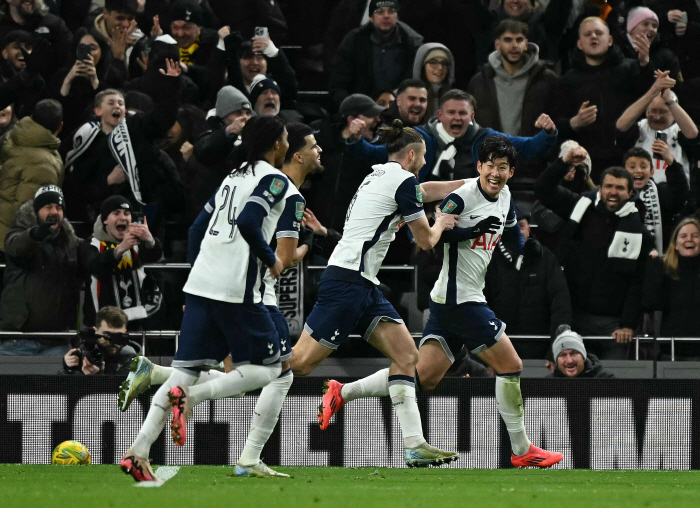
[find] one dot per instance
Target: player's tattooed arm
(436, 191)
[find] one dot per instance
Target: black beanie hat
(187, 10)
(47, 195)
(113, 203)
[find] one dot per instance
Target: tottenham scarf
(448, 154)
(120, 145)
(627, 242)
(652, 217)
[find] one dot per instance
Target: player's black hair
(410, 83)
(618, 172)
(49, 114)
(459, 95)
(258, 137)
(296, 137)
(637, 151)
(512, 26)
(397, 137)
(497, 147)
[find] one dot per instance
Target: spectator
(43, 277)
(261, 56)
(597, 90)
(603, 250)
(663, 201)
(98, 167)
(643, 34)
(343, 173)
(671, 286)
(32, 16)
(119, 248)
(7, 120)
(410, 106)
(435, 66)
(386, 98)
(22, 83)
(265, 96)
(452, 140)
(572, 360)
(679, 24)
(666, 130)
(109, 338)
(577, 180)
(375, 57)
(30, 159)
(161, 8)
(528, 291)
(212, 155)
(12, 58)
(75, 86)
(117, 24)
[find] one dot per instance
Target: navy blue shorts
(283, 330)
(468, 324)
(343, 306)
(211, 330)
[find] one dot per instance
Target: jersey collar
(486, 196)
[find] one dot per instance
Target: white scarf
(652, 217)
(81, 141)
(120, 145)
(448, 154)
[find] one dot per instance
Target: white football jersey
(464, 263)
(226, 269)
(287, 227)
(387, 198)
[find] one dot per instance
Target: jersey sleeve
(452, 204)
(270, 191)
(511, 218)
(290, 221)
(410, 199)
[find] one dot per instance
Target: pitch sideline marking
(164, 473)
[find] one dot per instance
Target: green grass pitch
(212, 486)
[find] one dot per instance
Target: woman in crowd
(435, 66)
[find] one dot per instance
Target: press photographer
(104, 349)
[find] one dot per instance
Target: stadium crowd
(120, 118)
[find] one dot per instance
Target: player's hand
(311, 221)
(71, 359)
(586, 116)
(446, 220)
(277, 268)
(235, 127)
(664, 150)
(354, 130)
(306, 237)
(546, 123)
(623, 335)
(487, 225)
(576, 156)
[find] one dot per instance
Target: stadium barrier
(597, 424)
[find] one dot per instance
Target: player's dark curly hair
(497, 147)
(397, 137)
(258, 137)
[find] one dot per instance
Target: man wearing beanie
(266, 98)
(572, 359)
(44, 275)
(117, 251)
(376, 56)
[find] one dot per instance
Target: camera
(99, 348)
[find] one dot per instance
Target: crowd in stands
(123, 117)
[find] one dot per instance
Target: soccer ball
(71, 452)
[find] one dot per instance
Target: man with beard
(376, 56)
(453, 138)
(32, 16)
(119, 249)
(572, 359)
(603, 251)
(410, 105)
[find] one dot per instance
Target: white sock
(510, 405)
(375, 385)
(244, 378)
(159, 411)
(402, 390)
(265, 416)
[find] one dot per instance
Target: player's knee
(429, 384)
(299, 366)
(407, 359)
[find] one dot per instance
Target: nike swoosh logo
(474, 216)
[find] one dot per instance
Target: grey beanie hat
(230, 99)
(569, 340)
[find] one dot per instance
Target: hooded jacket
(436, 90)
(30, 159)
(592, 368)
(353, 69)
(42, 280)
(119, 282)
